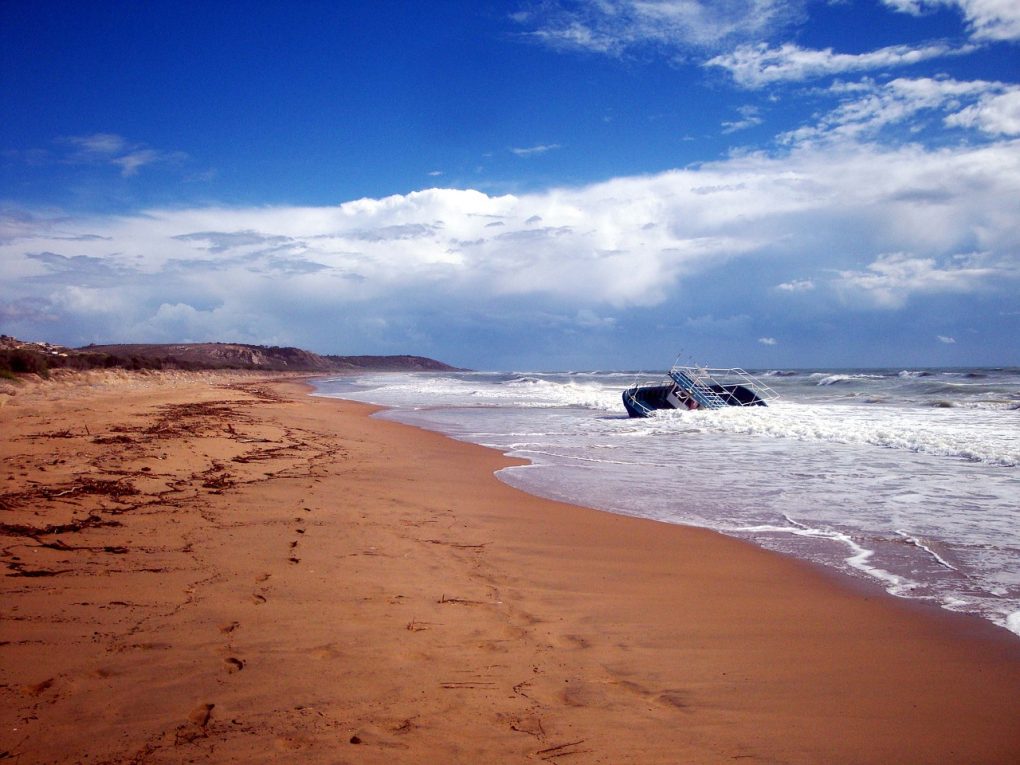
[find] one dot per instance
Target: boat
(692, 387)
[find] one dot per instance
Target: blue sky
(518, 185)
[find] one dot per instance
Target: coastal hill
(27, 357)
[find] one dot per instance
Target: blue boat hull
(642, 400)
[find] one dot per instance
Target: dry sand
(218, 569)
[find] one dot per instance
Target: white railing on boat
(699, 389)
(704, 382)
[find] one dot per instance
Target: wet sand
(203, 568)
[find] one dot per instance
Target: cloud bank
(836, 231)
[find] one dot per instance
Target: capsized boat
(698, 388)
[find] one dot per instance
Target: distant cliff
(20, 356)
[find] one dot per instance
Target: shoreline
(866, 584)
(858, 555)
(273, 574)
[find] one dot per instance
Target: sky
(519, 185)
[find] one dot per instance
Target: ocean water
(908, 478)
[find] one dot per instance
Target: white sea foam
(829, 379)
(992, 440)
(859, 555)
(922, 546)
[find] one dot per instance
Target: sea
(907, 478)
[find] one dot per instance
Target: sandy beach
(221, 568)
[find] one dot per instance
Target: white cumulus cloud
(890, 280)
(754, 66)
(867, 107)
(797, 285)
(750, 117)
(986, 19)
(994, 113)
